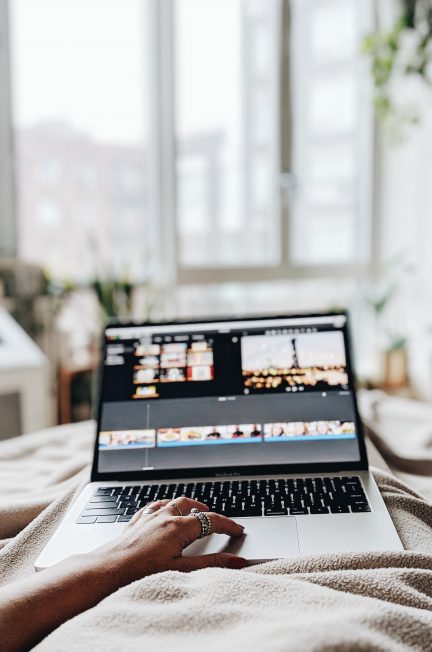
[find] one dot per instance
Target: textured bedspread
(333, 602)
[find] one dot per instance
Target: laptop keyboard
(237, 498)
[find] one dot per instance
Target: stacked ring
(204, 520)
(175, 505)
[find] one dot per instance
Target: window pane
(330, 215)
(325, 237)
(332, 103)
(226, 70)
(79, 86)
(329, 176)
(333, 30)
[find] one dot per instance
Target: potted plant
(403, 51)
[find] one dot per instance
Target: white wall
(404, 207)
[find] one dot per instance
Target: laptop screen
(226, 394)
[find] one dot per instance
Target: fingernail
(237, 562)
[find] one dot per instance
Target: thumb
(220, 560)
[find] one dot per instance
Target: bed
(379, 601)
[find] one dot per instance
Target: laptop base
(265, 539)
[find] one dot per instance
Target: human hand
(153, 541)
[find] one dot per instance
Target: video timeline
(231, 434)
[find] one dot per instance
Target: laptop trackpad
(264, 538)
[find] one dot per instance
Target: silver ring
(175, 505)
(204, 520)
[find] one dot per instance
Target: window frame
(162, 198)
(287, 269)
(8, 227)
(259, 272)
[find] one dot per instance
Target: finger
(216, 560)
(186, 505)
(219, 525)
(154, 506)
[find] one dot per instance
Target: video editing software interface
(226, 394)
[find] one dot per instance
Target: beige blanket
(333, 602)
(401, 429)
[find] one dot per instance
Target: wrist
(109, 565)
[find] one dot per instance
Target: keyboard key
(247, 512)
(131, 510)
(129, 503)
(253, 510)
(277, 511)
(104, 512)
(103, 491)
(339, 509)
(125, 518)
(231, 511)
(360, 501)
(360, 508)
(86, 519)
(353, 489)
(341, 495)
(98, 498)
(104, 505)
(106, 519)
(299, 511)
(319, 510)
(146, 501)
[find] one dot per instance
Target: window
(331, 207)
(47, 214)
(80, 132)
(227, 130)
(86, 175)
(48, 173)
(229, 139)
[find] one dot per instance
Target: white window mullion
(161, 145)
(368, 218)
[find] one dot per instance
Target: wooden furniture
(69, 374)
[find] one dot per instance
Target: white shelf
(24, 370)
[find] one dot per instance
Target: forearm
(32, 608)
(151, 543)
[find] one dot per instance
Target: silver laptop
(255, 417)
